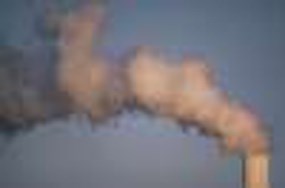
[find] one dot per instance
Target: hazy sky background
(243, 41)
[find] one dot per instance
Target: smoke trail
(185, 91)
(188, 93)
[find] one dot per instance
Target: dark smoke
(25, 97)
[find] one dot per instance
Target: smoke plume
(186, 91)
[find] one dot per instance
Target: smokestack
(256, 171)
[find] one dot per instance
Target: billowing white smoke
(187, 92)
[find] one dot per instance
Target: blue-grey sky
(243, 40)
